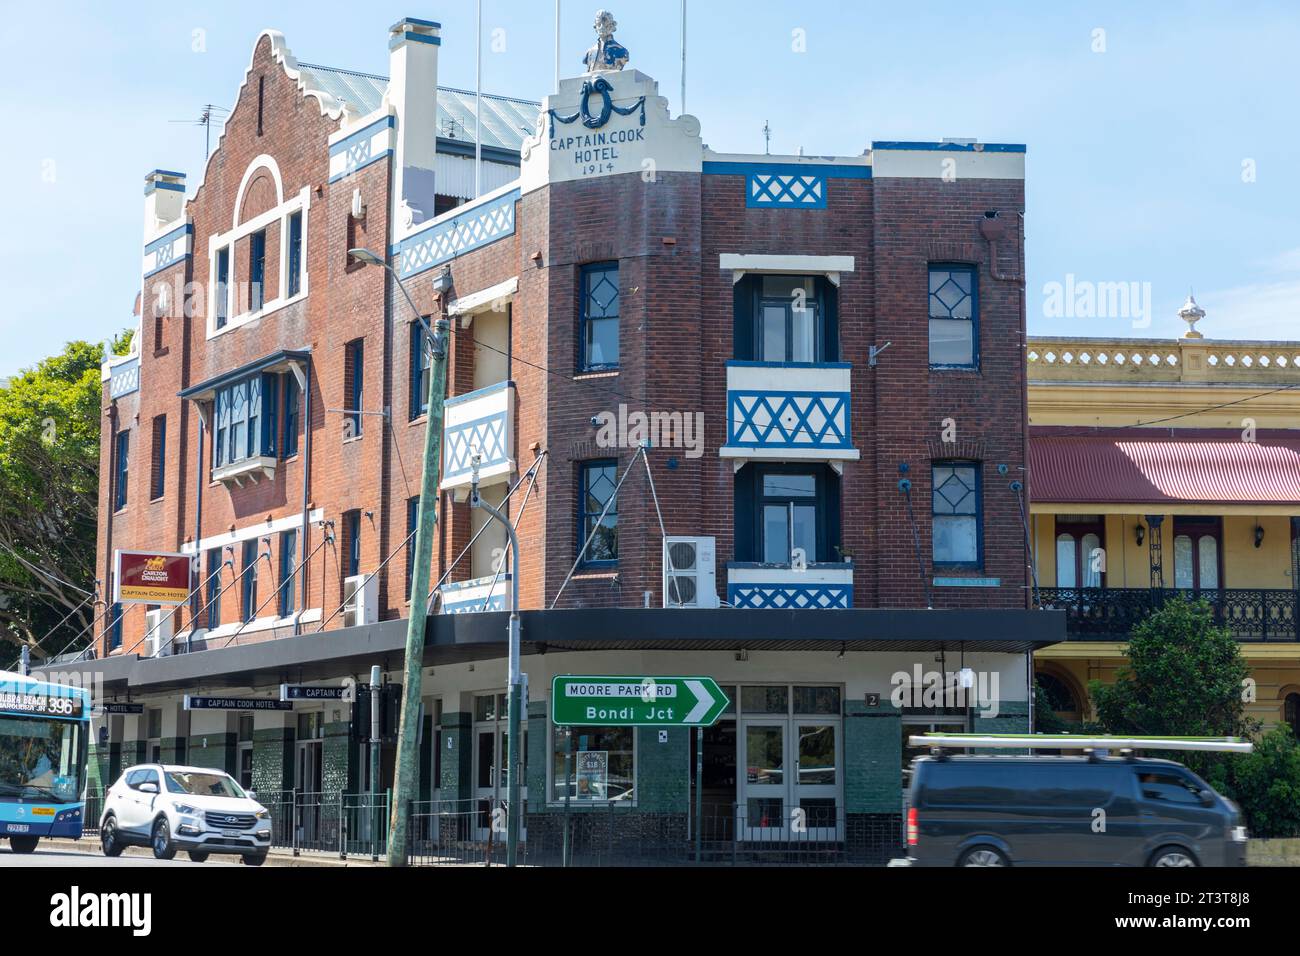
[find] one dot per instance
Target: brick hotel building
(849, 330)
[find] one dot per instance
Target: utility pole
(406, 771)
(375, 759)
(513, 805)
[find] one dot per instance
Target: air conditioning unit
(690, 577)
(360, 600)
(160, 625)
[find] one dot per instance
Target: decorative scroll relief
(607, 124)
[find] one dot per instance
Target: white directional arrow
(704, 701)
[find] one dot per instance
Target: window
(789, 316)
(158, 473)
(248, 581)
(412, 520)
(602, 767)
(1291, 713)
(419, 377)
(1169, 788)
(288, 565)
(786, 319)
(352, 541)
(256, 270)
(223, 282)
(954, 316)
(1196, 553)
(122, 461)
(955, 514)
(596, 488)
(789, 517)
(295, 253)
(781, 508)
(114, 627)
(270, 414)
(289, 447)
(1079, 555)
(599, 317)
(242, 429)
(354, 360)
(214, 587)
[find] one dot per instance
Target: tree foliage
(49, 489)
(1185, 676)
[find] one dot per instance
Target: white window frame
(301, 202)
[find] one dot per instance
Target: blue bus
(44, 737)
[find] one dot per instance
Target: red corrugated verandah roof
(1144, 466)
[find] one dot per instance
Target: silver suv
(196, 809)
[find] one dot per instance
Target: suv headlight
(186, 810)
(263, 814)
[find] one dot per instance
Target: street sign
(235, 703)
(636, 701)
(307, 692)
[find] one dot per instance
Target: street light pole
(407, 768)
(515, 704)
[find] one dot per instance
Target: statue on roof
(608, 55)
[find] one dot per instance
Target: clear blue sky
(1134, 163)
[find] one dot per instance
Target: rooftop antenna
(211, 113)
(767, 138)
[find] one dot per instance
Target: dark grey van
(1067, 811)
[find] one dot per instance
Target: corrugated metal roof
(1097, 469)
(506, 121)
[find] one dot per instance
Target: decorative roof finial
(1191, 313)
(608, 55)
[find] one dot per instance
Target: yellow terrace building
(1160, 466)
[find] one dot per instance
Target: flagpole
(557, 46)
(683, 56)
(478, 103)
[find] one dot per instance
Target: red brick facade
(676, 334)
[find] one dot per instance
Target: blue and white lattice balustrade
(780, 587)
(789, 411)
(479, 423)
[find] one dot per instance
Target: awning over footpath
(1205, 467)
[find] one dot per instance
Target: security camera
(595, 421)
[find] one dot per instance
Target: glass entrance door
(766, 787)
(491, 754)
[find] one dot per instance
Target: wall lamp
(1259, 535)
(1141, 533)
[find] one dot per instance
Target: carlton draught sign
(151, 577)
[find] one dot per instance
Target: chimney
(413, 95)
(164, 199)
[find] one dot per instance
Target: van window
(957, 783)
(1169, 787)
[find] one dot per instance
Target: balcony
(789, 411)
(476, 595)
(1109, 614)
(755, 585)
(479, 423)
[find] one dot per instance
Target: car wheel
(197, 857)
(109, 841)
(982, 856)
(163, 848)
(1173, 856)
(254, 859)
(23, 844)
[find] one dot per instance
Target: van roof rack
(941, 742)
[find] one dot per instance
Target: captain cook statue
(608, 55)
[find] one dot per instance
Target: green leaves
(1185, 676)
(49, 489)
